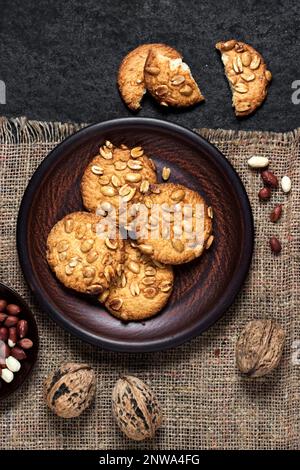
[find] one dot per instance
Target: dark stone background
(59, 59)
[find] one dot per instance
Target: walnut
(70, 389)
(135, 408)
(259, 347)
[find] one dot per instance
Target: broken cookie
(247, 75)
(131, 72)
(170, 80)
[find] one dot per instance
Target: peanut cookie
(170, 80)
(142, 289)
(116, 176)
(131, 72)
(174, 226)
(82, 256)
(247, 75)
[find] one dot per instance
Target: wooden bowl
(12, 297)
(204, 289)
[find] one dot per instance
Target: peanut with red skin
(269, 178)
(13, 309)
(3, 317)
(11, 321)
(3, 334)
(25, 343)
(2, 360)
(264, 194)
(4, 353)
(275, 245)
(12, 335)
(22, 328)
(3, 305)
(276, 213)
(18, 353)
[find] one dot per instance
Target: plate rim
(217, 312)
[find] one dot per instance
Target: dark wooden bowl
(12, 297)
(204, 289)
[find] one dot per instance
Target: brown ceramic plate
(12, 297)
(204, 289)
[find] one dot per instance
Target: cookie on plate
(170, 80)
(116, 176)
(174, 226)
(247, 75)
(131, 72)
(142, 289)
(82, 254)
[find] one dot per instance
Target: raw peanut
(258, 162)
(286, 184)
(3, 334)
(269, 178)
(13, 309)
(13, 364)
(18, 353)
(3, 305)
(7, 375)
(25, 343)
(264, 194)
(12, 336)
(11, 321)
(22, 328)
(276, 213)
(275, 245)
(3, 317)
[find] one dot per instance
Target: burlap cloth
(206, 404)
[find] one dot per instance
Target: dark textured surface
(59, 60)
(203, 289)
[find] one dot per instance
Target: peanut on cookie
(142, 289)
(177, 225)
(247, 75)
(170, 80)
(116, 176)
(83, 256)
(131, 72)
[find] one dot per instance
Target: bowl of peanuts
(19, 341)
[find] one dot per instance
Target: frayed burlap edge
(22, 130)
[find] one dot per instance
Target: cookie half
(142, 289)
(175, 225)
(170, 81)
(131, 72)
(82, 255)
(115, 177)
(247, 75)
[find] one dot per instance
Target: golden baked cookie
(116, 176)
(82, 255)
(170, 80)
(174, 226)
(131, 72)
(247, 75)
(143, 288)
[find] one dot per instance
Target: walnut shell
(135, 408)
(259, 347)
(70, 389)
